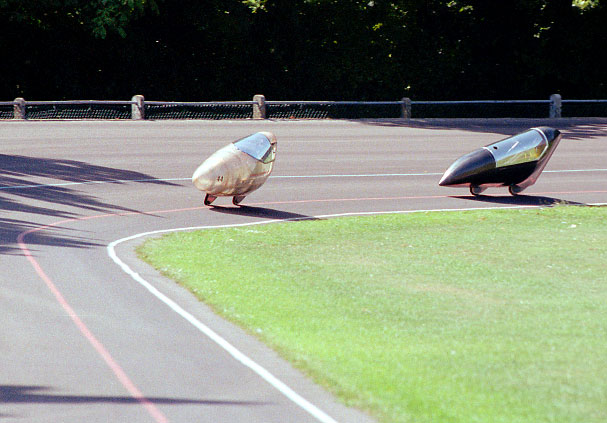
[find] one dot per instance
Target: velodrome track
(81, 340)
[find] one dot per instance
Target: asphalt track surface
(81, 340)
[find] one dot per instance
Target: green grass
(478, 316)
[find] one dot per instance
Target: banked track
(81, 340)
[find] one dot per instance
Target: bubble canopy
(257, 146)
(525, 147)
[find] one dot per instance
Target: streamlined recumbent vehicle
(237, 169)
(515, 162)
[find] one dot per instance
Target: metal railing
(157, 110)
(334, 109)
(138, 109)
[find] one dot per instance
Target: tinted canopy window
(256, 146)
(522, 148)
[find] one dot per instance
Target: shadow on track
(14, 394)
(261, 212)
(519, 200)
(578, 129)
(22, 191)
(11, 228)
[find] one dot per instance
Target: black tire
(514, 190)
(476, 190)
(208, 199)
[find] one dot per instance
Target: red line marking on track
(122, 377)
(120, 374)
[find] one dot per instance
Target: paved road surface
(80, 340)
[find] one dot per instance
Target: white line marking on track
(120, 374)
(229, 348)
(151, 408)
(370, 175)
(219, 340)
(353, 175)
(111, 181)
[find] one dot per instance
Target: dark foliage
(195, 50)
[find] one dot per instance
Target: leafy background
(197, 50)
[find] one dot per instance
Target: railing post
(406, 108)
(259, 108)
(137, 109)
(19, 108)
(556, 103)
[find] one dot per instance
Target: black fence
(157, 110)
(584, 108)
(78, 111)
(481, 109)
(259, 108)
(6, 110)
(333, 110)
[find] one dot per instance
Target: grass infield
(477, 316)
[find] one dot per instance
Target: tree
(302, 49)
(97, 16)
